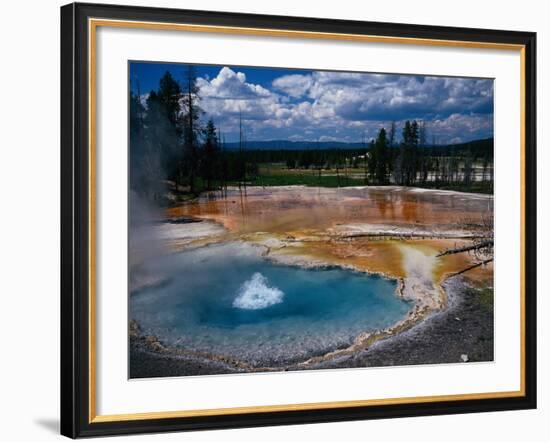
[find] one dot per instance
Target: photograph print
(287, 219)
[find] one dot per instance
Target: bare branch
(481, 245)
(487, 261)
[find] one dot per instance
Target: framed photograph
(274, 220)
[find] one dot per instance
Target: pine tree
(191, 125)
(409, 153)
(381, 156)
(423, 158)
(159, 149)
(391, 137)
(209, 164)
(169, 96)
(137, 111)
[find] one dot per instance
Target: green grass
(306, 180)
(475, 187)
(277, 174)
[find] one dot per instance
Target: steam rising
(144, 242)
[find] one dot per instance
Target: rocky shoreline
(461, 332)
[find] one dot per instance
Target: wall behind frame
(29, 234)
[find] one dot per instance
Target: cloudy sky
(321, 105)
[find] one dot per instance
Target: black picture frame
(75, 221)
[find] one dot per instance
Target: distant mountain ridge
(323, 145)
(293, 145)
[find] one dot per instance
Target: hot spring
(229, 300)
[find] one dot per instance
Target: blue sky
(330, 106)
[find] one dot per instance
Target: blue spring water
(228, 299)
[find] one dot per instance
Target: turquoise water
(229, 300)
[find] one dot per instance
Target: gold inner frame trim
(93, 24)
